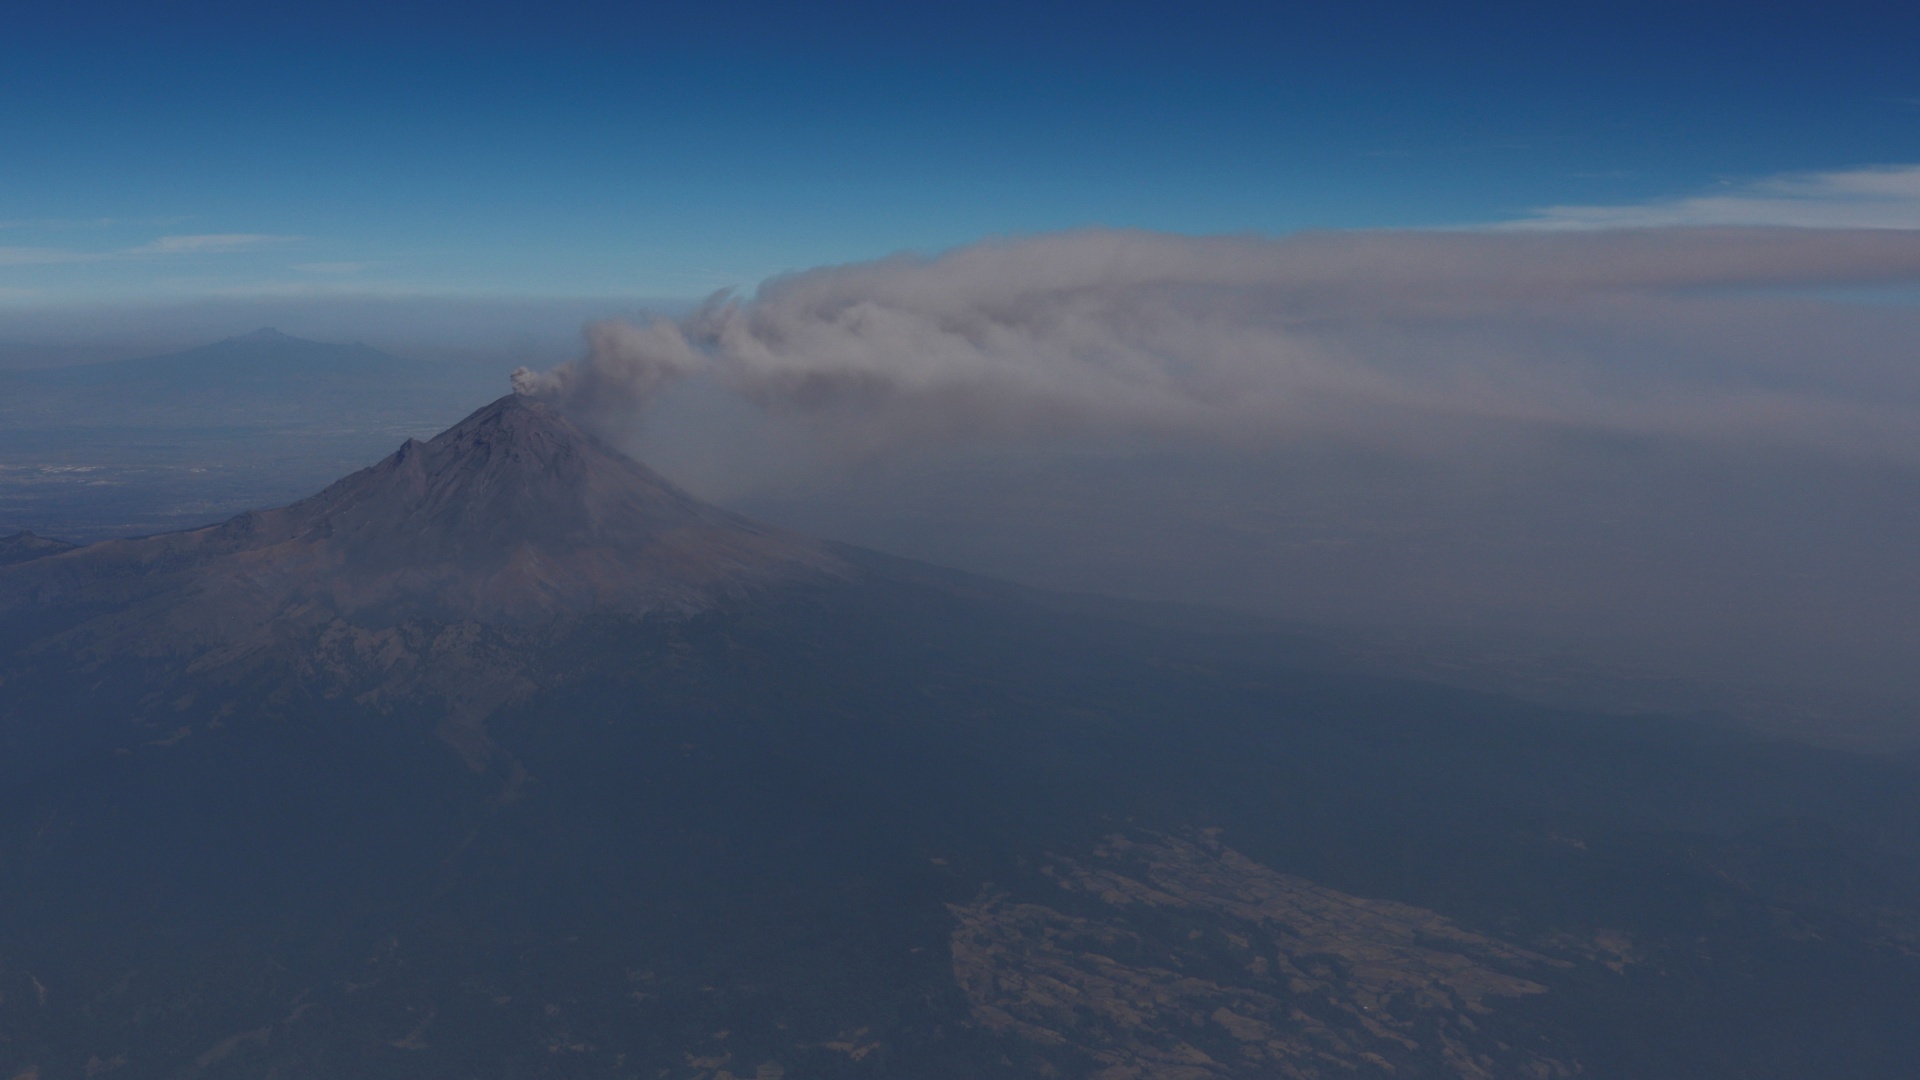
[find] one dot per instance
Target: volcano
(505, 757)
(512, 516)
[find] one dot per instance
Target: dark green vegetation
(899, 822)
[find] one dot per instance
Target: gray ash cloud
(1693, 332)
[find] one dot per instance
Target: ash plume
(1697, 332)
(625, 368)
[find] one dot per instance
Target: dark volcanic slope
(513, 516)
(24, 546)
(506, 759)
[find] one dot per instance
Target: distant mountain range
(505, 758)
(265, 357)
(154, 443)
(265, 377)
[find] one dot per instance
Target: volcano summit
(505, 757)
(512, 516)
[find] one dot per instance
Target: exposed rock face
(1208, 965)
(512, 518)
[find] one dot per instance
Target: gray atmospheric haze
(1036, 541)
(1418, 621)
(1663, 468)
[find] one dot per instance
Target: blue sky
(156, 154)
(1693, 441)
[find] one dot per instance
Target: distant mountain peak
(23, 546)
(265, 361)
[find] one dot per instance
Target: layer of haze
(1668, 466)
(1621, 457)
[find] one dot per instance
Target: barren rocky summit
(514, 516)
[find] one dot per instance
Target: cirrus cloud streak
(1882, 197)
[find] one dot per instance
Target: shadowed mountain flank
(25, 547)
(512, 517)
(505, 758)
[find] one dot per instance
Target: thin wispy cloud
(209, 244)
(309, 288)
(88, 223)
(179, 246)
(1881, 197)
(42, 256)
